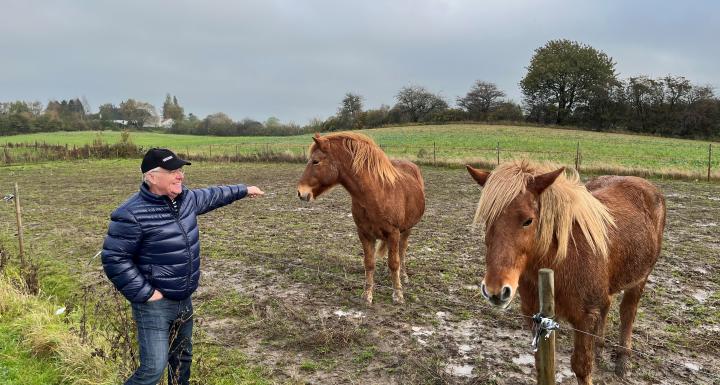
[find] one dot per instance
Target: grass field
(279, 301)
(458, 144)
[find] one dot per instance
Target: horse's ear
(319, 141)
(479, 176)
(543, 181)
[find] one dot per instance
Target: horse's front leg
(393, 244)
(368, 245)
(628, 310)
(582, 359)
(600, 330)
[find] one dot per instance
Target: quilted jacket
(154, 244)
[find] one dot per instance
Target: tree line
(567, 84)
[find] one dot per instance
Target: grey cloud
(296, 59)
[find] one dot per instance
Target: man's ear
(543, 181)
(479, 175)
(320, 142)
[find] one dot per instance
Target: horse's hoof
(368, 297)
(621, 366)
(398, 298)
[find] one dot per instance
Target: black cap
(161, 157)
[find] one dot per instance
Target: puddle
(419, 333)
(701, 295)
(460, 370)
(464, 349)
(349, 313)
(524, 359)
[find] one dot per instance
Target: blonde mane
(565, 202)
(366, 156)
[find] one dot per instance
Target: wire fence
(688, 161)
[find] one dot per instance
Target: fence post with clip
(544, 339)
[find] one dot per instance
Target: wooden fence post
(434, 156)
(18, 218)
(709, 159)
(577, 157)
(545, 356)
(498, 152)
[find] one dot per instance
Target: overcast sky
(296, 59)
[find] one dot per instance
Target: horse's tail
(660, 216)
(419, 177)
(381, 249)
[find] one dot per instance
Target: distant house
(156, 122)
(167, 123)
(121, 122)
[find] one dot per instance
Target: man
(152, 256)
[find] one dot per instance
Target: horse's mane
(565, 202)
(366, 155)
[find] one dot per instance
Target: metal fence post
(545, 356)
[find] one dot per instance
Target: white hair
(145, 175)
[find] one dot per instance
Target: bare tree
(482, 97)
(418, 103)
(350, 112)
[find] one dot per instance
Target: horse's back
(638, 208)
(412, 190)
(638, 192)
(409, 169)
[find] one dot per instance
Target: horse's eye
(316, 161)
(527, 222)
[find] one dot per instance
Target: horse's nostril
(484, 291)
(506, 292)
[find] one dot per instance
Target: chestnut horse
(388, 197)
(600, 239)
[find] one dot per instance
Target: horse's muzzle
(306, 196)
(501, 299)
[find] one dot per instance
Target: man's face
(166, 182)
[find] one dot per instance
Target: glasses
(179, 171)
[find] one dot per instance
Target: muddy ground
(283, 281)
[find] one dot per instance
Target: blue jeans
(164, 332)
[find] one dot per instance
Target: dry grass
(48, 337)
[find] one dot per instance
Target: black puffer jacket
(152, 245)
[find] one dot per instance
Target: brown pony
(388, 197)
(600, 239)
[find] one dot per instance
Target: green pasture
(454, 144)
